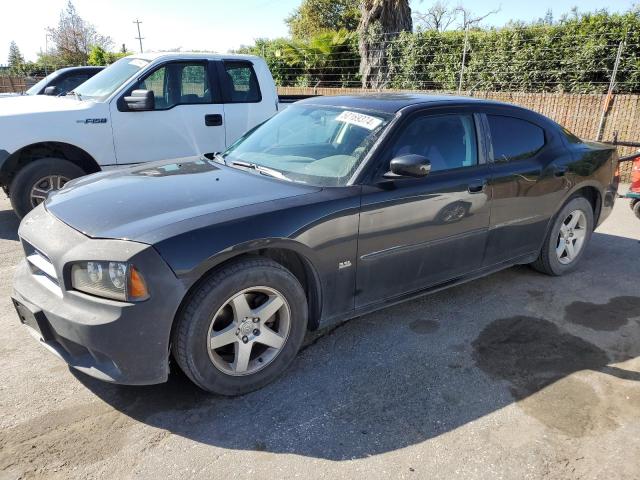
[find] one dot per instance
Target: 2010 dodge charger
(333, 208)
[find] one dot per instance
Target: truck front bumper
(120, 342)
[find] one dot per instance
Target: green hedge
(573, 55)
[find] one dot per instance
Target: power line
(139, 37)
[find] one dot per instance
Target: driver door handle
(213, 120)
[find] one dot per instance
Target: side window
(177, 84)
(156, 83)
(194, 86)
(447, 141)
(243, 82)
(513, 138)
(71, 82)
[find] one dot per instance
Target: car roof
(394, 102)
(151, 56)
(84, 67)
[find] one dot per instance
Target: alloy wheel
(43, 187)
(571, 237)
(249, 331)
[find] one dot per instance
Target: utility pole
(139, 37)
(464, 57)
(609, 96)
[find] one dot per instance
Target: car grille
(41, 266)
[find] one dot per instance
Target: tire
(550, 261)
(35, 172)
(633, 202)
(636, 209)
(212, 301)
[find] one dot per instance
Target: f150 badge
(92, 120)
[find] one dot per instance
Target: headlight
(116, 280)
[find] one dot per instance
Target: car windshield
(40, 85)
(311, 144)
(103, 84)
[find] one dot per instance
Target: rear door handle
(213, 120)
(477, 186)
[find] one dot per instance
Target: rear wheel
(242, 327)
(567, 239)
(31, 185)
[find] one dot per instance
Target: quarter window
(242, 81)
(447, 141)
(513, 138)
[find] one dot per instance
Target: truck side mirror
(409, 166)
(140, 101)
(52, 91)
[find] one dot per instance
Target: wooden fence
(579, 113)
(10, 83)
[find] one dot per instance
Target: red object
(635, 175)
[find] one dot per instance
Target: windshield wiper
(76, 94)
(219, 158)
(270, 172)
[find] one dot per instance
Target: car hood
(29, 104)
(132, 202)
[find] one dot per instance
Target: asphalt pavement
(514, 376)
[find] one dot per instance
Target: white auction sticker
(359, 119)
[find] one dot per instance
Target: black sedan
(335, 207)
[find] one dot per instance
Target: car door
(187, 118)
(527, 183)
(419, 232)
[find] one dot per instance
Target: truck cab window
(178, 84)
(242, 82)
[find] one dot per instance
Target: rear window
(242, 81)
(514, 138)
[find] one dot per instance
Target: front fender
(322, 230)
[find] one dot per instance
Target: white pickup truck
(142, 108)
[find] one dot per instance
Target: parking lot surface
(517, 375)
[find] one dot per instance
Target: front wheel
(636, 209)
(242, 327)
(567, 239)
(33, 183)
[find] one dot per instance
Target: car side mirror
(140, 101)
(52, 91)
(409, 166)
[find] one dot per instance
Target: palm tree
(326, 59)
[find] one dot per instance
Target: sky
(216, 25)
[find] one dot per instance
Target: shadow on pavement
(8, 225)
(374, 386)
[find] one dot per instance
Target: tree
(316, 16)
(438, 17)
(97, 56)
(16, 60)
(381, 22)
(326, 59)
(74, 37)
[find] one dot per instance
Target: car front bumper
(114, 341)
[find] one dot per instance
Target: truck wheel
(242, 327)
(567, 239)
(636, 209)
(36, 180)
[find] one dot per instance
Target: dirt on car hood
(131, 202)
